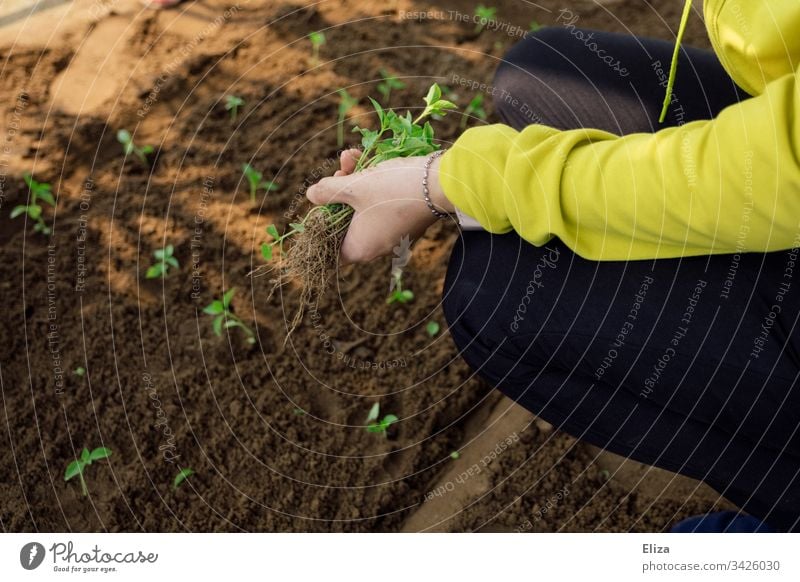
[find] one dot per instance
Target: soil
(275, 433)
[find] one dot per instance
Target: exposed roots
(311, 260)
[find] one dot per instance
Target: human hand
(387, 200)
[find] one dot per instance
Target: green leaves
(182, 475)
(225, 318)
(77, 467)
(474, 109)
(432, 328)
(379, 426)
(484, 14)
(388, 84)
(128, 147)
(166, 260)
(232, 104)
(36, 191)
(346, 103)
(317, 40)
(407, 136)
(257, 182)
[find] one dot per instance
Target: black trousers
(687, 364)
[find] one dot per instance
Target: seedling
(474, 109)
(317, 40)
(389, 83)
(379, 426)
(80, 371)
(299, 412)
(318, 236)
(257, 182)
(346, 103)
(126, 139)
(455, 455)
(268, 249)
(484, 15)
(224, 317)
(432, 328)
(399, 295)
(37, 191)
(181, 477)
(165, 261)
(232, 104)
(534, 26)
(77, 467)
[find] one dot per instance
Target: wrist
(435, 188)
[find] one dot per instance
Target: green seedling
(80, 371)
(474, 109)
(534, 26)
(455, 455)
(379, 426)
(77, 467)
(317, 40)
(346, 103)
(232, 104)
(224, 317)
(257, 182)
(484, 15)
(318, 236)
(399, 295)
(388, 84)
(432, 328)
(181, 477)
(396, 137)
(37, 191)
(165, 261)
(270, 249)
(126, 139)
(299, 412)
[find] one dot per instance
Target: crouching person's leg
(640, 358)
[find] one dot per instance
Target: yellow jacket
(731, 184)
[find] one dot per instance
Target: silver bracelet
(425, 193)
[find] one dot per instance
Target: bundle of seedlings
(316, 240)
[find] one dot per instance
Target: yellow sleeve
(731, 184)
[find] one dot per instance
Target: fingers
(329, 190)
(348, 160)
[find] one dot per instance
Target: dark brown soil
(275, 433)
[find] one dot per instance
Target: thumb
(332, 189)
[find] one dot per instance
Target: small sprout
(181, 477)
(80, 371)
(389, 83)
(484, 15)
(455, 455)
(124, 137)
(77, 467)
(346, 103)
(37, 191)
(165, 261)
(317, 40)
(474, 108)
(379, 426)
(257, 182)
(399, 295)
(534, 26)
(432, 328)
(299, 412)
(268, 248)
(605, 475)
(224, 317)
(232, 104)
